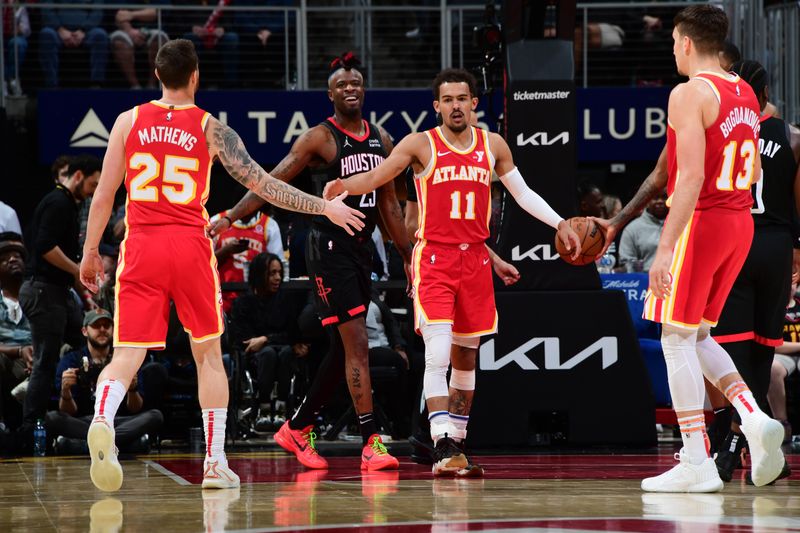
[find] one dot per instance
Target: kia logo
(542, 138)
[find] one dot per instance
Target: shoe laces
(378, 447)
(310, 438)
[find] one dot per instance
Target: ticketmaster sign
(613, 124)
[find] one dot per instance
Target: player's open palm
(609, 232)
(569, 238)
(343, 215)
(660, 277)
(91, 271)
(333, 189)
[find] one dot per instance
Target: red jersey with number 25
(731, 146)
(454, 190)
(168, 166)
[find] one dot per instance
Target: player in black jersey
(751, 325)
(339, 263)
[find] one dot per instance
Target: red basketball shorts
(453, 284)
(707, 258)
(158, 265)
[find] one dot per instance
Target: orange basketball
(591, 238)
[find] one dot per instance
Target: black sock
(368, 427)
(327, 378)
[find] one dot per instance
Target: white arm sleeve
(529, 200)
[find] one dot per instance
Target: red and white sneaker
(218, 475)
(106, 473)
(374, 456)
(301, 444)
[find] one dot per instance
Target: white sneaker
(686, 477)
(106, 473)
(764, 438)
(217, 475)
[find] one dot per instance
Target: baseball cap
(10, 240)
(93, 316)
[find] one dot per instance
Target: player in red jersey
(454, 296)
(164, 150)
(712, 159)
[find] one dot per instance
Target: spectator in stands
(76, 380)
(135, 29)
(52, 270)
(640, 239)
(73, 28)
(16, 24)
(262, 36)
(238, 246)
(264, 325)
(612, 204)
(590, 200)
(9, 221)
(59, 170)
(16, 350)
(787, 359)
(217, 46)
(387, 348)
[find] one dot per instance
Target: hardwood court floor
(532, 493)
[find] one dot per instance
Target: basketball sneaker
(218, 475)
(785, 472)
(729, 455)
(686, 477)
(448, 458)
(472, 469)
(764, 436)
(374, 456)
(106, 473)
(301, 444)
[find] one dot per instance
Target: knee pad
(438, 338)
(683, 369)
(462, 379)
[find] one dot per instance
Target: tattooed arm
(226, 145)
(652, 185)
(305, 149)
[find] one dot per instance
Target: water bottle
(39, 439)
(605, 265)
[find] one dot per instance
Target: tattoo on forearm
(460, 402)
(242, 168)
(356, 381)
(646, 192)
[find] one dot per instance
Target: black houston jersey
(353, 155)
(773, 195)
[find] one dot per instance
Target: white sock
(440, 424)
(738, 393)
(110, 393)
(695, 439)
(459, 423)
(214, 427)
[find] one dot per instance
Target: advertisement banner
(612, 123)
(568, 366)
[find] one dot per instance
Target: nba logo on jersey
(169, 116)
(738, 93)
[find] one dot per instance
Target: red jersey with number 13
(454, 190)
(168, 166)
(731, 146)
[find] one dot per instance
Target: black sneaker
(422, 451)
(472, 469)
(448, 458)
(729, 456)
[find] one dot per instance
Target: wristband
(226, 217)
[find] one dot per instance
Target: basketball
(591, 238)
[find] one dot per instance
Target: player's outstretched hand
(609, 232)
(342, 215)
(569, 238)
(507, 272)
(333, 189)
(91, 272)
(220, 225)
